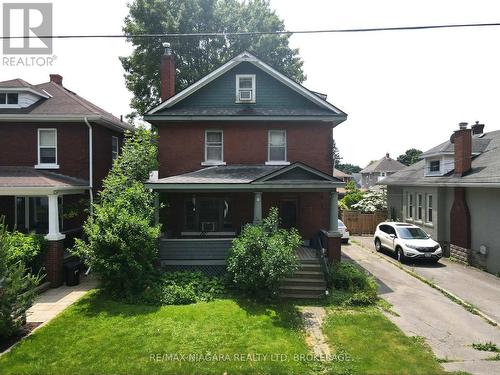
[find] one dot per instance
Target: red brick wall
(18, 147)
(181, 146)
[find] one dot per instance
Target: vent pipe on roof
(477, 128)
(167, 73)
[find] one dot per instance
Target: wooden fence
(359, 223)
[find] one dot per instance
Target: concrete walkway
(448, 328)
(313, 317)
(53, 301)
(480, 289)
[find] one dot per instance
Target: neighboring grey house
(378, 170)
(454, 195)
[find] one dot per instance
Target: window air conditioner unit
(208, 226)
(245, 95)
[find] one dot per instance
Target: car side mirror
(393, 236)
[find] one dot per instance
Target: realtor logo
(29, 21)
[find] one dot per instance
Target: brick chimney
(56, 78)
(462, 139)
(167, 73)
(477, 128)
(387, 156)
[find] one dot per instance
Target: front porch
(203, 211)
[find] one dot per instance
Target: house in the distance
(453, 193)
(55, 149)
(240, 140)
(378, 170)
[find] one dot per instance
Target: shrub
(263, 255)
(353, 195)
(26, 248)
(361, 288)
(371, 202)
(182, 288)
(121, 245)
(16, 286)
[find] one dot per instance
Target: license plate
(427, 255)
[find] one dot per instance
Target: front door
(288, 213)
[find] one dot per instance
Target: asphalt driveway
(476, 287)
(448, 328)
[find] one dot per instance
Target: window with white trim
(277, 146)
(430, 203)
(47, 147)
(9, 98)
(420, 208)
(409, 207)
(214, 146)
(245, 88)
(114, 147)
(435, 166)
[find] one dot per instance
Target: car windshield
(412, 234)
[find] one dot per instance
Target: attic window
(245, 88)
(435, 166)
(9, 98)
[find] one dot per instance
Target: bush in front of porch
(263, 255)
(17, 281)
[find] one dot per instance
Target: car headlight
(410, 246)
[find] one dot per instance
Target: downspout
(91, 172)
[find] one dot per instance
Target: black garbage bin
(72, 273)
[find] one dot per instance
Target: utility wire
(255, 33)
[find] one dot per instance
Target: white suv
(408, 242)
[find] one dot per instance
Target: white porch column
(334, 212)
(54, 233)
(257, 207)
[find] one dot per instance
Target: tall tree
(410, 157)
(348, 168)
(334, 153)
(196, 57)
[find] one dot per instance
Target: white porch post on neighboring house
(257, 207)
(334, 212)
(54, 233)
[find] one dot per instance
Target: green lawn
(375, 345)
(99, 336)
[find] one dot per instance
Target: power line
(255, 33)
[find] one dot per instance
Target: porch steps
(308, 282)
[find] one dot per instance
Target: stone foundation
(460, 254)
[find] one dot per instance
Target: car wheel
(378, 245)
(401, 255)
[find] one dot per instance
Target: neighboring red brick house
(55, 150)
(240, 140)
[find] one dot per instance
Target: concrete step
(309, 261)
(318, 275)
(310, 267)
(302, 288)
(303, 282)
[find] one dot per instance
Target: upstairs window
(47, 147)
(9, 98)
(214, 149)
(114, 147)
(245, 88)
(277, 146)
(434, 166)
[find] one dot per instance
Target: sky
(400, 89)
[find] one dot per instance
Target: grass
(234, 336)
(375, 345)
(486, 346)
(105, 337)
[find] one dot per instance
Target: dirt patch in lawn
(25, 330)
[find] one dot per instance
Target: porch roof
(28, 180)
(296, 176)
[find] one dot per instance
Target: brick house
(55, 149)
(232, 145)
(453, 193)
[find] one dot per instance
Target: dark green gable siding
(270, 93)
